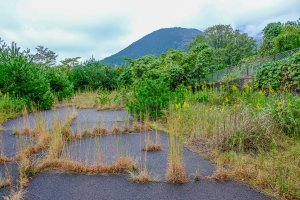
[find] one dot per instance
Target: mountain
(155, 43)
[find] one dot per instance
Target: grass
(150, 146)
(247, 134)
(220, 174)
(86, 99)
(176, 173)
(4, 159)
(6, 180)
(16, 195)
(143, 177)
(100, 100)
(121, 165)
(10, 107)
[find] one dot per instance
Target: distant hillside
(155, 43)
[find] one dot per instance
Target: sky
(101, 28)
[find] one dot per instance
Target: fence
(247, 69)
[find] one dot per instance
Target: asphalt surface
(52, 185)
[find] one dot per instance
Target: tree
(44, 56)
(271, 31)
(70, 62)
(219, 36)
(289, 38)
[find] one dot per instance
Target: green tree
(44, 56)
(70, 62)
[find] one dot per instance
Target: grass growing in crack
(4, 159)
(176, 173)
(220, 174)
(197, 175)
(150, 146)
(143, 177)
(6, 180)
(40, 134)
(121, 165)
(26, 170)
(16, 195)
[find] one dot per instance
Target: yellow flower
(177, 106)
(279, 105)
(234, 88)
(185, 105)
(258, 106)
(261, 93)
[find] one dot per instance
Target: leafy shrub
(60, 84)
(149, 96)
(286, 111)
(94, 75)
(20, 77)
(283, 74)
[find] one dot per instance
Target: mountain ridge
(155, 43)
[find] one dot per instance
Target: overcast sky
(100, 28)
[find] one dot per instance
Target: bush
(283, 74)
(60, 84)
(22, 78)
(94, 75)
(149, 96)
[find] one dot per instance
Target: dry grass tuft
(7, 180)
(4, 182)
(150, 146)
(87, 99)
(176, 172)
(99, 131)
(16, 195)
(116, 130)
(4, 159)
(143, 177)
(220, 174)
(119, 166)
(26, 170)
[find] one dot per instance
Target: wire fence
(247, 69)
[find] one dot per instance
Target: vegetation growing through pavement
(252, 131)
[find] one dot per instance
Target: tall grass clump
(10, 107)
(176, 173)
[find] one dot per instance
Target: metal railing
(247, 69)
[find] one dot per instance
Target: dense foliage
(22, 78)
(278, 37)
(284, 74)
(94, 75)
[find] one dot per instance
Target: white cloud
(100, 28)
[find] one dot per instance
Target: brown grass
(150, 146)
(6, 180)
(176, 172)
(143, 177)
(87, 99)
(4, 159)
(220, 174)
(26, 170)
(16, 195)
(121, 165)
